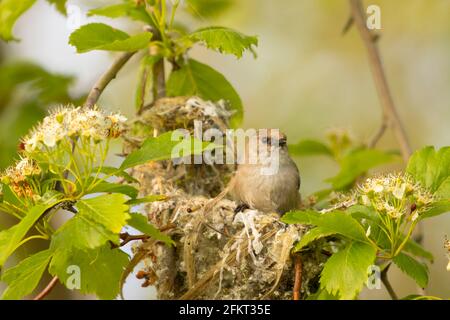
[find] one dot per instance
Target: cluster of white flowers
(16, 177)
(69, 122)
(395, 194)
(20, 171)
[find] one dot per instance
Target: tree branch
(384, 93)
(387, 284)
(106, 78)
(47, 289)
(298, 277)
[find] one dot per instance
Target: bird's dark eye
(282, 142)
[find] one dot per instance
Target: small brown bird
(272, 184)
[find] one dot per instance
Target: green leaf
(60, 5)
(202, 9)
(335, 222)
(416, 270)
(357, 163)
(100, 36)
(111, 171)
(24, 277)
(416, 249)
(139, 222)
(150, 198)
(108, 210)
(10, 197)
(165, 147)
(322, 294)
(100, 269)
(443, 191)
(343, 224)
(11, 238)
(123, 10)
(195, 78)
(310, 236)
(437, 208)
(48, 87)
(224, 40)
(363, 212)
(306, 217)
(10, 11)
(345, 272)
(310, 148)
(144, 78)
(81, 232)
(99, 220)
(109, 187)
(430, 167)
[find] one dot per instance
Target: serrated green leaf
(100, 269)
(443, 191)
(100, 36)
(60, 5)
(109, 187)
(345, 272)
(322, 294)
(150, 198)
(81, 232)
(10, 239)
(24, 277)
(437, 208)
(416, 249)
(343, 224)
(99, 220)
(416, 270)
(123, 10)
(165, 147)
(108, 210)
(430, 167)
(195, 78)
(139, 222)
(357, 163)
(306, 217)
(10, 11)
(310, 148)
(335, 222)
(310, 236)
(225, 40)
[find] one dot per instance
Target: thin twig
(387, 284)
(298, 277)
(106, 78)
(47, 289)
(384, 93)
(379, 134)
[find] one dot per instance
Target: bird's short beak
(282, 142)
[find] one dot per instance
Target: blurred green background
(307, 79)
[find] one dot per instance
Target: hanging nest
(218, 254)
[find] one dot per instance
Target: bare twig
(298, 277)
(384, 93)
(106, 78)
(47, 289)
(379, 134)
(387, 284)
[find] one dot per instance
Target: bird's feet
(241, 207)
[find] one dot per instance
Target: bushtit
(272, 183)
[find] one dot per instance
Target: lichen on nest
(218, 254)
